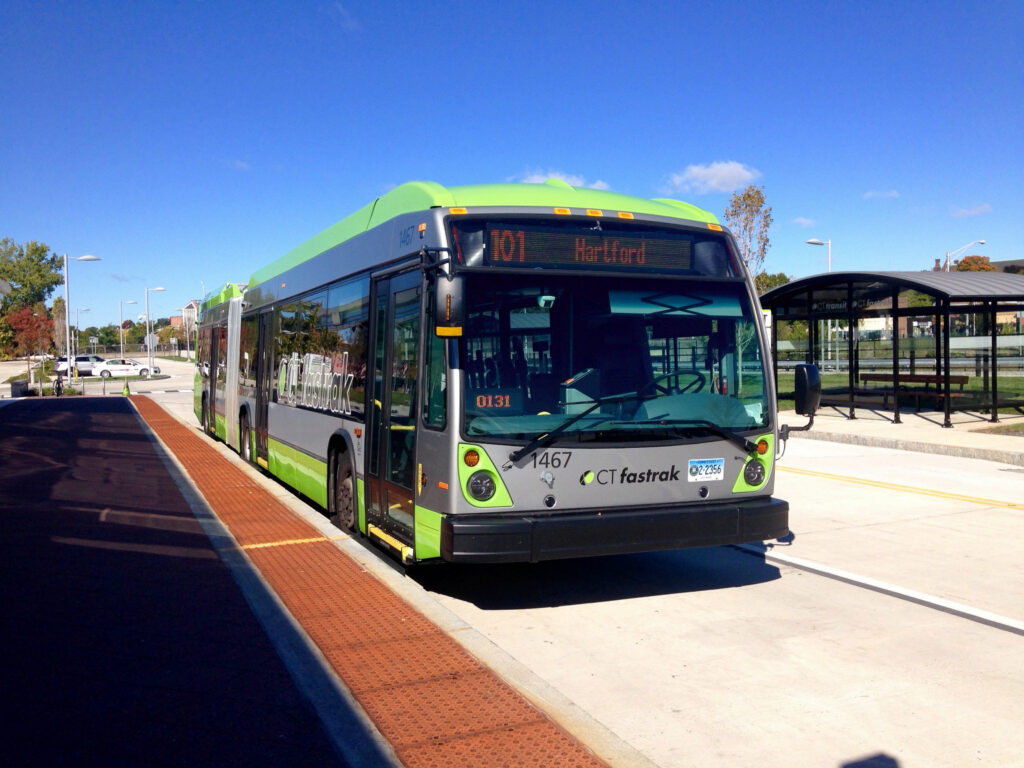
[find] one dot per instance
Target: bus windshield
(608, 360)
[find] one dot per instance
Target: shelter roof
(953, 286)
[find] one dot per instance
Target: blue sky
(189, 143)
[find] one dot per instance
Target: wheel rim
(344, 498)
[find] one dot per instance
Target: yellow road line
(289, 542)
(904, 488)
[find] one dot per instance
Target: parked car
(119, 366)
(84, 363)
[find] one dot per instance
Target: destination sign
(512, 245)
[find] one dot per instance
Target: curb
(963, 451)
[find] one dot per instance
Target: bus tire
(343, 492)
(244, 439)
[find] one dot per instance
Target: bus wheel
(244, 439)
(343, 512)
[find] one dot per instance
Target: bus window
(346, 315)
(247, 353)
(435, 386)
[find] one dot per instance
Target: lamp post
(828, 243)
(78, 328)
(120, 314)
(149, 343)
(816, 241)
(67, 311)
(958, 251)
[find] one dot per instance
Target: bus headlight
(481, 486)
(753, 472)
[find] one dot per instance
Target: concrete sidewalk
(920, 431)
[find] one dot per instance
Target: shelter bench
(917, 393)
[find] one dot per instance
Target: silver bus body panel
(229, 396)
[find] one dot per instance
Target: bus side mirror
(807, 399)
(449, 309)
(808, 390)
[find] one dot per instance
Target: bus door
(391, 415)
(264, 384)
(213, 364)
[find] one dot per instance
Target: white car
(84, 364)
(121, 367)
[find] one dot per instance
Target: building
(190, 315)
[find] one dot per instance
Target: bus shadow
(596, 580)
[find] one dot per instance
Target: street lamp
(149, 343)
(120, 314)
(816, 241)
(828, 346)
(67, 310)
(960, 250)
(78, 328)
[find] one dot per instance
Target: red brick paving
(435, 704)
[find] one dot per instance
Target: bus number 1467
(552, 459)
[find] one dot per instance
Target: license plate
(705, 470)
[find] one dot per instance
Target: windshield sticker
(705, 470)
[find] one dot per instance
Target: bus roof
(224, 293)
(423, 195)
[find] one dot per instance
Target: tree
(749, 219)
(975, 264)
(136, 334)
(59, 326)
(32, 331)
(765, 282)
(168, 332)
(109, 336)
(32, 271)
(6, 339)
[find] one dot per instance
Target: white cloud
(718, 177)
(800, 221)
(539, 177)
(969, 213)
(240, 165)
(881, 194)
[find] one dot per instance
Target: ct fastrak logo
(626, 476)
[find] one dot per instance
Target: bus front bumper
(536, 536)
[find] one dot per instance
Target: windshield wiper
(710, 426)
(544, 439)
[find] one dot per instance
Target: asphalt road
(126, 639)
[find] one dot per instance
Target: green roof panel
(423, 195)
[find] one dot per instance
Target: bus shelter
(937, 340)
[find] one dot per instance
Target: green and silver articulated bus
(502, 373)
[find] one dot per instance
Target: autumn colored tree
(750, 219)
(33, 330)
(975, 264)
